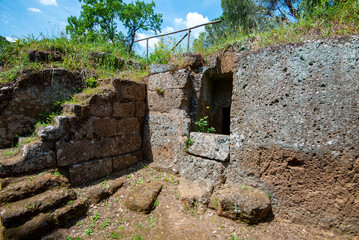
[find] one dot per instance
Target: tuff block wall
(101, 136)
(293, 133)
(294, 129)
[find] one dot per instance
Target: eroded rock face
(168, 120)
(194, 193)
(211, 146)
(43, 56)
(33, 157)
(142, 197)
(247, 204)
(34, 205)
(101, 136)
(34, 93)
(294, 130)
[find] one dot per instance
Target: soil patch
(170, 219)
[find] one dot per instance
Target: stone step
(17, 213)
(33, 157)
(43, 224)
(28, 186)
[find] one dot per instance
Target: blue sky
(49, 17)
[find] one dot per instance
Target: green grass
(15, 150)
(10, 152)
(341, 20)
(14, 60)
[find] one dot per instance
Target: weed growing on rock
(91, 82)
(155, 204)
(188, 143)
(203, 126)
(160, 91)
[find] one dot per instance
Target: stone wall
(96, 138)
(168, 121)
(34, 93)
(294, 130)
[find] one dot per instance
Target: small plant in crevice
(188, 143)
(202, 125)
(45, 118)
(160, 91)
(91, 82)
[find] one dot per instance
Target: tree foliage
(97, 16)
(101, 17)
(140, 16)
(242, 13)
(248, 16)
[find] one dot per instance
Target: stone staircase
(32, 206)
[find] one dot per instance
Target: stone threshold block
(211, 146)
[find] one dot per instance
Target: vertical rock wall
(94, 139)
(168, 122)
(294, 130)
(33, 93)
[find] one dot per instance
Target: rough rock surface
(295, 130)
(33, 157)
(104, 191)
(34, 93)
(100, 136)
(203, 171)
(32, 206)
(43, 56)
(193, 193)
(211, 146)
(160, 68)
(142, 197)
(15, 191)
(19, 212)
(247, 204)
(168, 121)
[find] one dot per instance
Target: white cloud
(48, 2)
(168, 29)
(178, 21)
(151, 42)
(10, 39)
(34, 10)
(193, 19)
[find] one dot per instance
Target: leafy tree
(242, 13)
(96, 16)
(99, 16)
(140, 16)
(238, 15)
(3, 41)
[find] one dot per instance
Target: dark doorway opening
(215, 100)
(226, 120)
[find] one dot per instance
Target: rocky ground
(168, 217)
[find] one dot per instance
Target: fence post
(189, 38)
(147, 51)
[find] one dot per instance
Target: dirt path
(170, 219)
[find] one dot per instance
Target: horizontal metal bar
(165, 34)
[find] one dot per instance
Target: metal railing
(188, 34)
